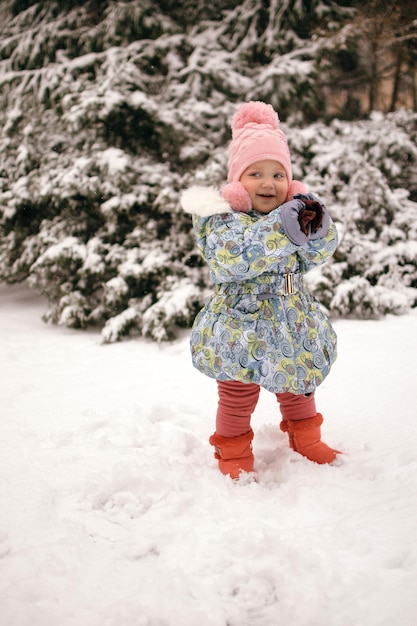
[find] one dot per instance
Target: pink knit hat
(256, 136)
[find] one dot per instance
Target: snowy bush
(106, 116)
(364, 172)
(355, 297)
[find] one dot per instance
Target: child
(261, 327)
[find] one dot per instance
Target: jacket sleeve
(237, 247)
(318, 251)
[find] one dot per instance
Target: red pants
(237, 401)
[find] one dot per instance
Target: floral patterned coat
(261, 325)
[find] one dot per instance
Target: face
(266, 183)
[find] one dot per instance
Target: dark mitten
(305, 218)
(310, 217)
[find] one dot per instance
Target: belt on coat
(280, 285)
(293, 282)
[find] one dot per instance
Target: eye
(279, 175)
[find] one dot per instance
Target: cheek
(250, 188)
(283, 190)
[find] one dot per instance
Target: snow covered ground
(113, 513)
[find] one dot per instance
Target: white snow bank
(113, 513)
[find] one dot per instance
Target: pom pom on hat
(237, 196)
(255, 113)
(256, 136)
(296, 187)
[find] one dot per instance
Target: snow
(115, 160)
(112, 510)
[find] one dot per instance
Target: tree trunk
(397, 77)
(373, 80)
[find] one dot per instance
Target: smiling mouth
(266, 195)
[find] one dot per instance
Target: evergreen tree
(109, 109)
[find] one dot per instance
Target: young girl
(261, 327)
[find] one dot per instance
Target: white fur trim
(204, 201)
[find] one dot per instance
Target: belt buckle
(289, 284)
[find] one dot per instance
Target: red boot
(233, 453)
(305, 438)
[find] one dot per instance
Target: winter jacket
(261, 325)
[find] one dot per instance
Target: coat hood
(204, 201)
